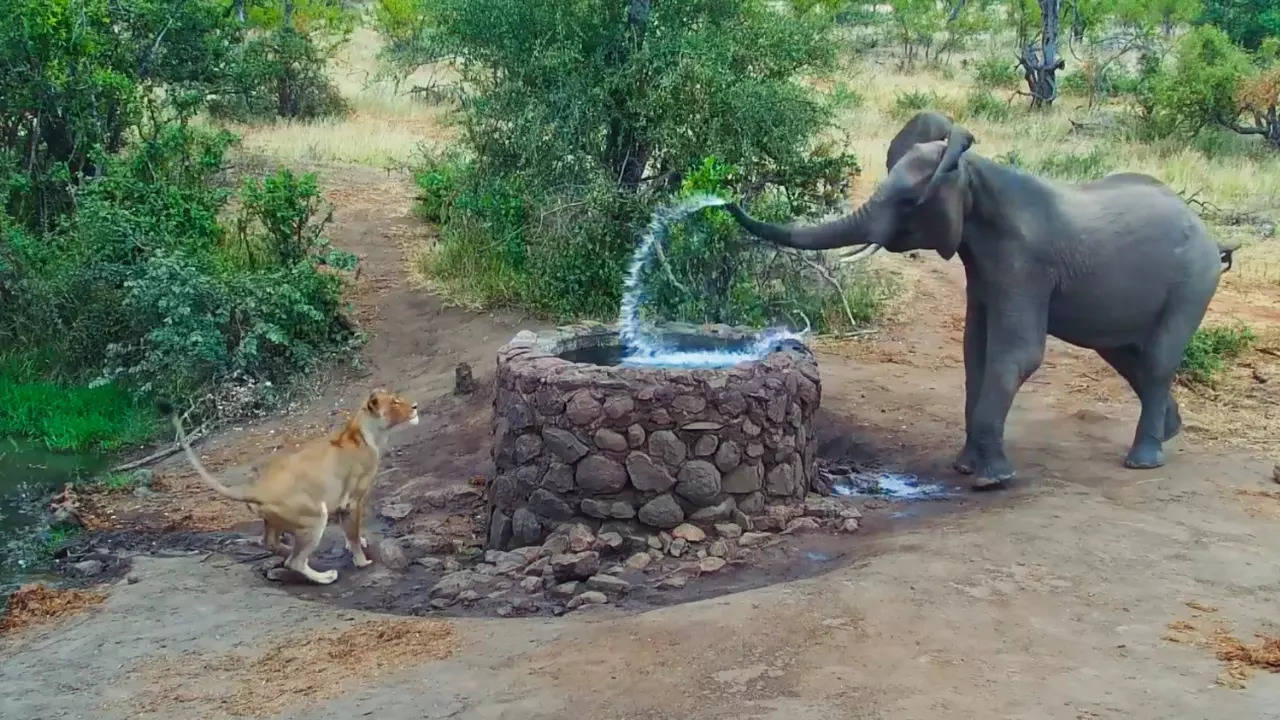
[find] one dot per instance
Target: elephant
(1119, 265)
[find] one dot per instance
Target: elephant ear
(959, 140)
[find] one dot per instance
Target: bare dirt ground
(1062, 597)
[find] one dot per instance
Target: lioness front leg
(355, 542)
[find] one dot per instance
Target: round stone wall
(580, 442)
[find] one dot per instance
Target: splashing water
(640, 347)
(902, 486)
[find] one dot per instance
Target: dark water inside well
(29, 474)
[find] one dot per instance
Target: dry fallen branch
(161, 454)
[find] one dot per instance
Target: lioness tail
(243, 494)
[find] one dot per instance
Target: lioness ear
(372, 403)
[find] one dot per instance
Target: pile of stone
(578, 566)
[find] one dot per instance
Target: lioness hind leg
(355, 543)
(271, 539)
(306, 540)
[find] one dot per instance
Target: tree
(579, 117)
(1214, 83)
(1247, 22)
(1039, 57)
(916, 25)
(1257, 99)
(74, 76)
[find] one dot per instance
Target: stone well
(578, 438)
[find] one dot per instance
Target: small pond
(29, 474)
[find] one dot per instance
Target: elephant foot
(966, 461)
(1144, 457)
(1172, 421)
(993, 476)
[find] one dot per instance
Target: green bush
(1247, 23)
(715, 274)
(1090, 165)
(579, 120)
(146, 290)
(906, 104)
(1200, 89)
(982, 104)
(996, 72)
(75, 78)
(278, 74)
(1209, 350)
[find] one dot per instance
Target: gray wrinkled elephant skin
(1120, 265)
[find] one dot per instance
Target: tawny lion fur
(296, 492)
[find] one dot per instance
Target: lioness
(295, 492)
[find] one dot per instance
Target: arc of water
(633, 338)
(641, 347)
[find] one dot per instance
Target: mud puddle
(887, 498)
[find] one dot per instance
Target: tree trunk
(629, 154)
(1039, 64)
(241, 16)
(287, 16)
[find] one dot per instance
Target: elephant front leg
(975, 341)
(1013, 351)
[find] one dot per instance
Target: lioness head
(391, 408)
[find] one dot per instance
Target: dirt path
(1050, 600)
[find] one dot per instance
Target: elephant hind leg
(1156, 364)
(1172, 419)
(1125, 361)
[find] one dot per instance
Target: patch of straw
(294, 671)
(37, 604)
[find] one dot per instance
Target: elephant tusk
(862, 254)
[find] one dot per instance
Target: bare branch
(848, 311)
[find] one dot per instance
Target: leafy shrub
(278, 74)
(1210, 348)
(579, 120)
(74, 75)
(1200, 89)
(144, 288)
(714, 274)
(995, 72)
(1090, 165)
(982, 104)
(1013, 158)
(1247, 23)
(843, 96)
(908, 103)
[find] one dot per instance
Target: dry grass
(1239, 659)
(1242, 407)
(386, 125)
(36, 604)
(294, 672)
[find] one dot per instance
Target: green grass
(1210, 350)
(908, 103)
(113, 482)
(1081, 166)
(54, 538)
(68, 416)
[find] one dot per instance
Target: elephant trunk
(852, 229)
